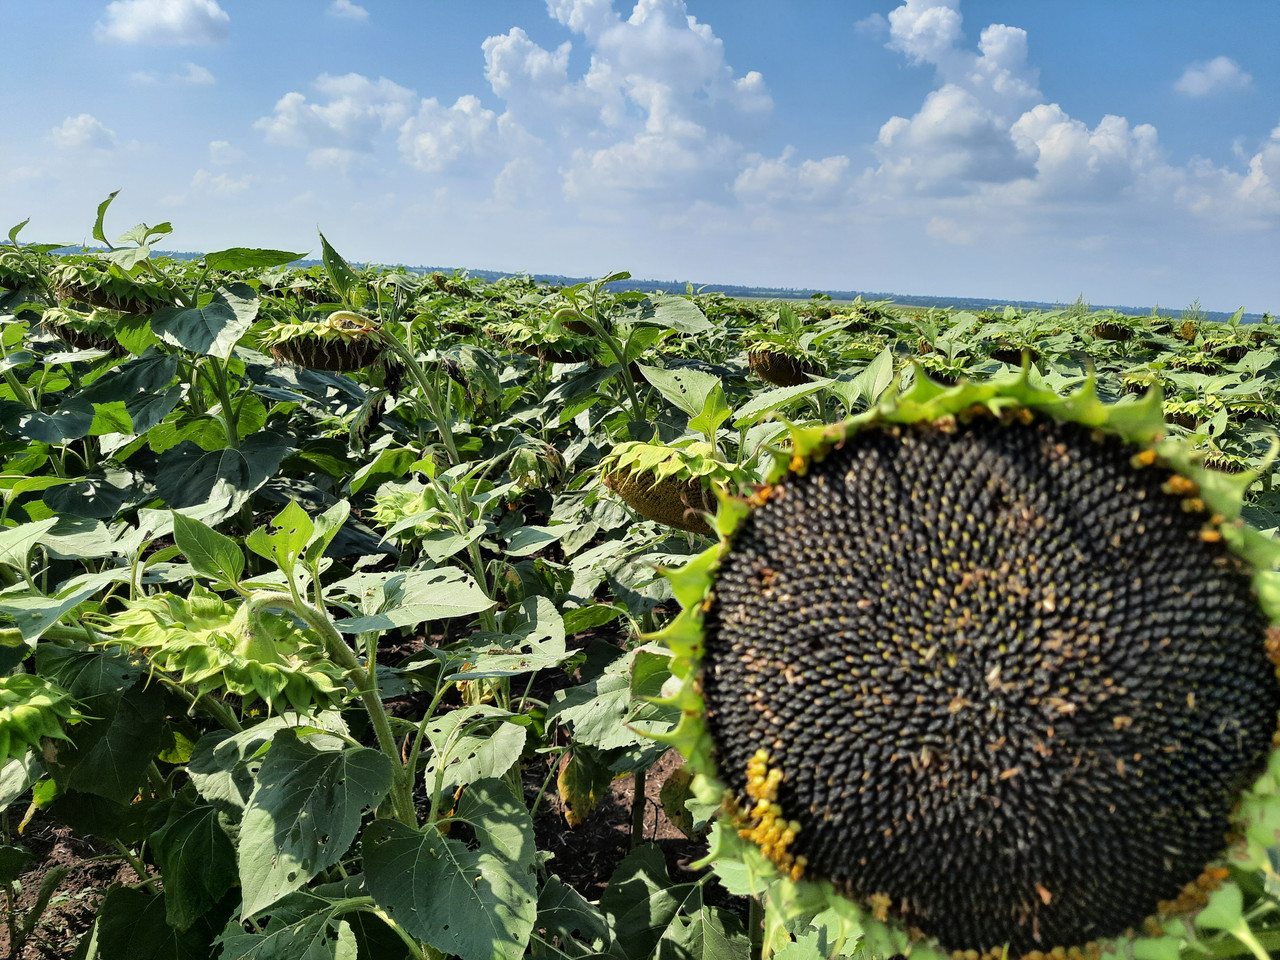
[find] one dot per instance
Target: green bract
(31, 708)
(1022, 812)
(102, 284)
(673, 484)
(213, 646)
(343, 341)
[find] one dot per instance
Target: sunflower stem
(1247, 937)
(366, 685)
(638, 804)
(755, 927)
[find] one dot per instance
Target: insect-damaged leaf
(303, 815)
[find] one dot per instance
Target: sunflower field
(351, 612)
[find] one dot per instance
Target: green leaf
(98, 233)
(529, 540)
(677, 313)
(709, 934)
(343, 278)
(213, 485)
(109, 756)
(72, 420)
(409, 598)
(500, 820)
(35, 614)
(566, 914)
(133, 925)
(687, 389)
(223, 764)
(641, 903)
(471, 756)
(767, 402)
(197, 862)
(17, 776)
(13, 860)
(475, 904)
(535, 642)
(303, 815)
(316, 936)
(326, 527)
(390, 464)
(90, 674)
(291, 531)
(216, 556)
(16, 542)
(249, 258)
(212, 329)
(17, 229)
(715, 411)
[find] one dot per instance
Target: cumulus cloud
(781, 179)
(222, 153)
(660, 108)
(82, 132)
(985, 137)
(164, 22)
(346, 10)
(1073, 161)
(353, 113)
(220, 183)
(1211, 77)
(435, 137)
(193, 74)
(658, 112)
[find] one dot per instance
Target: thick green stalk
(430, 394)
(366, 685)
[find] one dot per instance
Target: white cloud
(951, 144)
(985, 142)
(220, 183)
(334, 132)
(346, 10)
(436, 136)
(1211, 77)
(873, 25)
(194, 74)
(1073, 161)
(949, 231)
(927, 31)
(165, 22)
(80, 132)
(222, 153)
(660, 109)
(765, 180)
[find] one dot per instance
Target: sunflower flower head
(211, 645)
(985, 672)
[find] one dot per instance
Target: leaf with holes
(471, 744)
(477, 904)
(303, 815)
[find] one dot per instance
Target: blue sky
(1123, 152)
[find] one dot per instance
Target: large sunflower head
(986, 670)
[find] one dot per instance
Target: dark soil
(87, 868)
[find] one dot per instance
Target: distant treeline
(972, 304)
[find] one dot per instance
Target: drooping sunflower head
(991, 665)
(211, 645)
